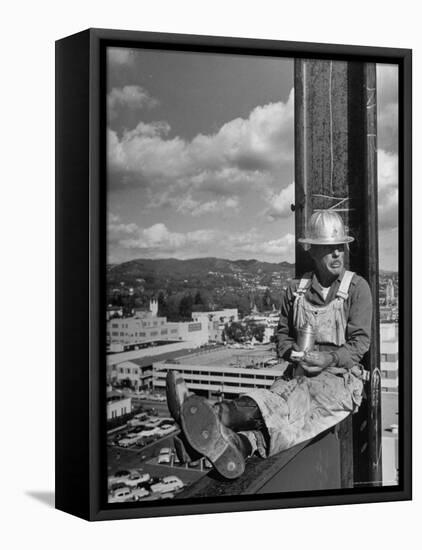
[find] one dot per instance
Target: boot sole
(201, 427)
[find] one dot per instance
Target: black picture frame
(80, 274)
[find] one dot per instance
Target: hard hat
(326, 227)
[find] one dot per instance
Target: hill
(169, 272)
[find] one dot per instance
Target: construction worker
(322, 385)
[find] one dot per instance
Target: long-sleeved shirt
(358, 310)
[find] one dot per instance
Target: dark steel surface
(335, 156)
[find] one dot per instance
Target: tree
(235, 331)
(267, 299)
(258, 332)
(198, 301)
(185, 307)
(162, 305)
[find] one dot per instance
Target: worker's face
(329, 259)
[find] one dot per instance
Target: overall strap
(304, 284)
(343, 291)
(299, 317)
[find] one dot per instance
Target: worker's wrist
(334, 359)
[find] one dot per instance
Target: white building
(145, 327)
(389, 356)
(126, 370)
(114, 311)
(223, 316)
(217, 380)
(193, 332)
(116, 406)
(216, 321)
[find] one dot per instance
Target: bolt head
(231, 466)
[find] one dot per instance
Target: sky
(201, 156)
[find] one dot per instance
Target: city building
(124, 371)
(223, 372)
(389, 356)
(269, 320)
(137, 365)
(223, 316)
(389, 293)
(145, 327)
(117, 406)
(216, 320)
(114, 312)
(194, 333)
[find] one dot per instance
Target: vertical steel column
(335, 159)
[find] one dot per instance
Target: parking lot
(145, 458)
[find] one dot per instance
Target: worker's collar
(317, 286)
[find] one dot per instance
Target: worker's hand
(316, 361)
(292, 358)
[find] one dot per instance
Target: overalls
(298, 409)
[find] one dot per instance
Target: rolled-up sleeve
(358, 331)
(285, 336)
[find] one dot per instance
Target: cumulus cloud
(158, 241)
(387, 189)
(188, 205)
(280, 204)
(242, 154)
(120, 56)
(118, 231)
(278, 249)
(130, 97)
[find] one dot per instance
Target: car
(120, 495)
(130, 439)
(139, 492)
(165, 456)
(152, 422)
(166, 421)
(167, 484)
(134, 423)
(120, 474)
(136, 477)
(115, 486)
(150, 431)
(119, 477)
(166, 430)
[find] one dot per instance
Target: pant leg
(297, 410)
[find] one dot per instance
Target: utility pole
(336, 166)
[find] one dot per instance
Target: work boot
(241, 414)
(207, 435)
(177, 392)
